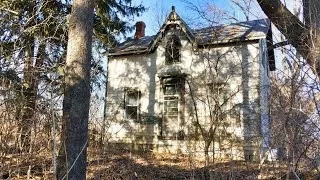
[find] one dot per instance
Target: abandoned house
(189, 90)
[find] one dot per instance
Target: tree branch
(280, 44)
(288, 24)
(10, 11)
(292, 28)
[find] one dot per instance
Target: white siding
(240, 66)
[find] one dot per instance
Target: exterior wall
(264, 96)
(239, 67)
(135, 72)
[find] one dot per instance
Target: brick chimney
(140, 28)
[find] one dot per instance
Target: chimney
(140, 28)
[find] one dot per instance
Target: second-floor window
(173, 49)
(219, 98)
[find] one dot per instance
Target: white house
(189, 90)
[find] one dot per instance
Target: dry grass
(146, 166)
(124, 165)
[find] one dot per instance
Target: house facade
(189, 90)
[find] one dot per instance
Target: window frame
(173, 50)
(223, 94)
(128, 105)
(176, 98)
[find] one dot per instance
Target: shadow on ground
(145, 167)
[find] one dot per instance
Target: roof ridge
(233, 23)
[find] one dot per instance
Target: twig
(295, 174)
(8, 10)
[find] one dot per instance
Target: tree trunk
(104, 121)
(206, 151)
(304, 37)
(72, 155)
(28, 100)
(26, 109)
(29, 92)
(213, 152)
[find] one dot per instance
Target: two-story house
(189, 90)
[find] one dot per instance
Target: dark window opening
(132, 112)
(248, 155)
(173, 50)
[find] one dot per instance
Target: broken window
(173, 89)
(173, 50)
(132, 106)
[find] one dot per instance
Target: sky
(187, 9)
(217, 11)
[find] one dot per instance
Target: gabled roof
(174, 18)
(242, 31)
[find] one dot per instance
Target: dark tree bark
(305, 37)
(72, 154)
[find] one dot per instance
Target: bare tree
(304, 36)
(213, 102)
(294, 122)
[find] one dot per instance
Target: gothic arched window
(173, 50)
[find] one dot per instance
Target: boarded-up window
(173, 50)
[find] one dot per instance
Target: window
(235, 112)
(173, 50)
(132, 106)
(219, 92)
(173, 89)
(171, 107)
(219, 98)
